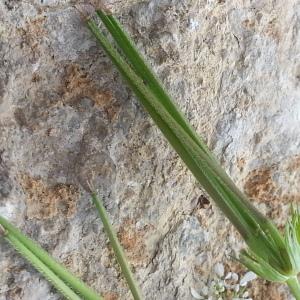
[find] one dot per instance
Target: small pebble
(195, 294)
(219, 270)
(249, 276)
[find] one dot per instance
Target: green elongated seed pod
(269, 255)
(259, 233)
(142, 69)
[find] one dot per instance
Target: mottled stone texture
(66, 117)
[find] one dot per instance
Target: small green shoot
(117, 248)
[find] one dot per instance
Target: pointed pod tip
(103, 7)
(89, 6)
(90, 187)
(86, 11)
(99, 5)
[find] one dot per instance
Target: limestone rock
(67, 117)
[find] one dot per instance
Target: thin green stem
(117, 248)
(294, 286)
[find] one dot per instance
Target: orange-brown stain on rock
(32, 33)
(262, 290)
(44, 202)
(240, 163)
(272, 30)
(294, 164)
(260, 186)
(15, 293)
(110, 296)
(77, 84)
(132, 239)
(248, 24)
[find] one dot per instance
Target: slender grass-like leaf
(117, 248)
(45, 263)
(59, 284)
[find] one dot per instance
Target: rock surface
(65, 114)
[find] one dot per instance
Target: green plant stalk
(73, 282)
(269, 255)
(117, 248)
(60, 285)
(144, 72)
(294, 286)
(258, 232)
